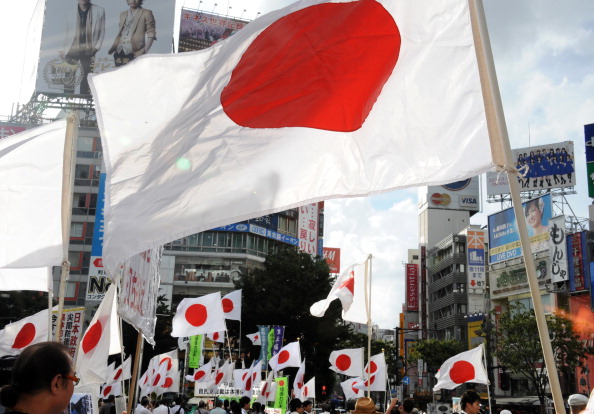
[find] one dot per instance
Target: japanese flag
(121, 373)
(465, 367)
(146, 380)
(375, 374)
(197, 316)
(351, 391)
(111, 388)
(299, 380)
(255, 338)
(170, 382)
(93, 350)
(224, 373)
(253, 378)
(347, 362)
(349, 288)
(28, 331)
(202, 374)
(309, 390)
(232, 305)
(288, 356)
(217, 336)
(239, 377)
(266, 389)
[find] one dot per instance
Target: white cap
(577, 399)
(505, 412)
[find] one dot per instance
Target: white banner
(558, 249)
(140, 287)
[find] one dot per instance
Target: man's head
(307, 405)
(144, 401)
(407, 406)
(577, 402)
(470, 402)
(296, 405)
(244, 402)
(218, 403)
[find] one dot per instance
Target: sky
(544, 57)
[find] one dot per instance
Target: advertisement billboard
(98, 280)
(83, 37)
(577, 262)
(199, 30)
(460, 195)
(504, 240)
(308, 228)
(543, 167)
(475, 240)
(589, 138)
(7, 129)
(332, 256)
(412, 287)
(558, 250)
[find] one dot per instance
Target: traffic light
(323, 390)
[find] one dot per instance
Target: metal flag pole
(369, 327)
(488, 385)
(502, 156)
(67, 185)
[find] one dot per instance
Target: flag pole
(135, 370)
(502, 156)
(67, 181)
(489, 384)
(369, 327)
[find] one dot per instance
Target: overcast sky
(544, 55)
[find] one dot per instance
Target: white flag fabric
(375, 374)
(308, 392)
(266, 389)
(351, 391)
(299, 380)
(232, 305)
(18, 335)
(112, 388)
(202, 374)
(217, 336)
(31, 169)
(347, 362)
(239, 377)
(253, 378)
(467, 366)
(120, 373)
(191, 137)
(288, 356)
(255, 338)
(195, 316)
(93, 350)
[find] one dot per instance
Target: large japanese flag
(249, 126)
(93, 350)
(197, 316)
(288, 356)
(375, 374)
(232, 305)
(28, 331)
(467, 366)
(31, 171)
(351, 388)
(347, 362)
(202, 374)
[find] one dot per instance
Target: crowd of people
(43, 381)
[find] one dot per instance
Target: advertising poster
(558, 250)
(7, 129)
(543, 167)
(308, 229)
(199, 30)
(332, 256)
(72, 327)
(459, 195)
(98, 280)
(504, 240)
(80, 404)
(475, 241)
(84, 37)
(589, 138)
(412, 287)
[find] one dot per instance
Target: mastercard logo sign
(440, 199)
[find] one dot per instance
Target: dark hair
(408, 405)
(294, 404)
(218, 403)
(34, 370)
(244, 400)
(538, 204)
(144, 401)
(256, 406)
(469, 397)
(307, 402)
(235, 407)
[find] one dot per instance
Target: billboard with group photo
(199, 30)
(504, 240)
(83, 36)
(542, 167)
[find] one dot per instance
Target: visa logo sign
(469, 201)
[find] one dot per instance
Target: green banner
(195, 351)
(590, 170)
(282, 393)
(270, 343)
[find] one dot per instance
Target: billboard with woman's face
(504, 240)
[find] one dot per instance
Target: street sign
(406, 380)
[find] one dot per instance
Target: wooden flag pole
(502, 156)
(67, 185)
(369, 327)
(134, 379)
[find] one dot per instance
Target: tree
(16, 305)
(518, 347)
(281, 295)
(434, 352)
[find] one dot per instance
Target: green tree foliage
(281, 294)
(518, 347)
(16, 305)
(435, 352)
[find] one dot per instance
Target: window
(76, 229)
(75, 259)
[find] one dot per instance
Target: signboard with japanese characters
(72, 327)
(308, 228)
(475, 240)
(98, 280)
(558, 250)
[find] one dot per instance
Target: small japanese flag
(375, 374)
(232, 305)
(464, 367)
(308, 391)
(255, 338)
(202, 374)
(197, 316)
(28, 331)
(299, 380)
(288, 356)
(350, 388)
(347, 362)
(217, 336)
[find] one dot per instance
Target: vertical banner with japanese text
(476, 259)
(264, 330)
(72, 322)
(558, 249)
(308, 228)
(282, 393)
(195, 354)
(412, 287)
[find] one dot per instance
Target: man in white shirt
(178, 407)
(244, 403)
(142, 407)
(218, 408)
(161, 407)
